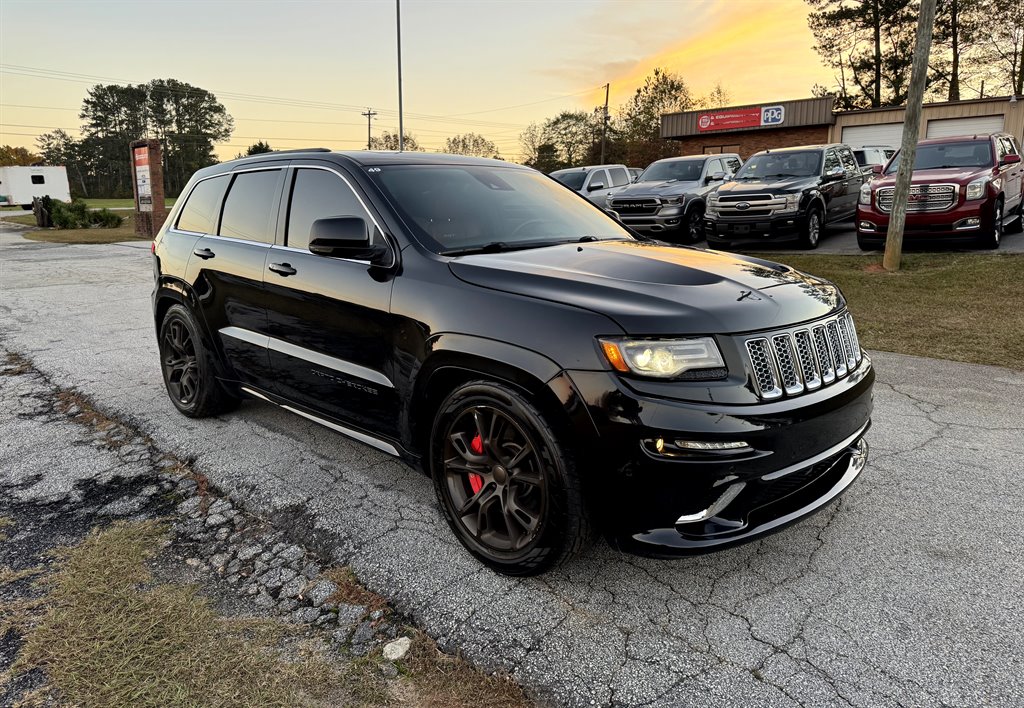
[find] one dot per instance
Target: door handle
(204, 253)
(282, 269)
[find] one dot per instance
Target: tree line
(977, 47)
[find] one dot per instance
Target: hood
(789, 185)
(655, 289)
(662, 188)
(952, 175)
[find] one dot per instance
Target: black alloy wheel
(507, 488)
(695, 224)
(178, 357)
(188, 368)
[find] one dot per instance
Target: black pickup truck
(784, 195)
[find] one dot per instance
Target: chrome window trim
(232, 239)
(313, 357)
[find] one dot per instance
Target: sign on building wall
(142, 179)
(741, 118)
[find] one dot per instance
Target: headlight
(792, 202)
(711, 205)
(662, 358)
(976, 189)
(865, 194)
(673, 200)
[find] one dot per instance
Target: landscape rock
(320, 591)
(393, 651)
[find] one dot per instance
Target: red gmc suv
(967, 187)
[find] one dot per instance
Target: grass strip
(957, 306)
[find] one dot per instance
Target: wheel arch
(459, 359)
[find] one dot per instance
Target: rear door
(1013, 174)
(854, 179)
(226, 265)
(331, 339)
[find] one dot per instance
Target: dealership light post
(604, 120)
(911, 129)
(398, 26)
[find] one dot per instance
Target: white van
(20, 185)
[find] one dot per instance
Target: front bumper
(655, 223)
(760, 229)
(802, 453)
(964, 222)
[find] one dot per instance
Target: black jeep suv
(554, 374)
(785, 195)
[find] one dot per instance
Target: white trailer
(19, 185)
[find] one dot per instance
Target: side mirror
(876, 169)
(1010, 160)
(714, 177)
(594, 186)
(345, 237)
(835, 174)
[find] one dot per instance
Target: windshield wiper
(783, 174)
(492, 247)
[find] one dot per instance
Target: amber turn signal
(614, 356)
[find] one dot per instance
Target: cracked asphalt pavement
(905, 592)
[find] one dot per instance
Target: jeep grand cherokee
(553, 373)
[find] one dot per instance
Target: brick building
(750, 129)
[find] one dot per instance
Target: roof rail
(285, 152)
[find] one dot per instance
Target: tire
(692, 229)
(811, 235)
(992, 239)
(869, 244)
(495, 459)
(188, 368)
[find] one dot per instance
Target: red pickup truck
(966, 188)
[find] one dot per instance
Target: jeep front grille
(922, 198)
(803, 359)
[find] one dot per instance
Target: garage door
(978, 125)
(857, 136)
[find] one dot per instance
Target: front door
(331, 340)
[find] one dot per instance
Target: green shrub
(76, 215)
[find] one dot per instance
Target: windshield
(779, 165)
(572, 180)
(466, 207)
(951, 155)
(679, 170)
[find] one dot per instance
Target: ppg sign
(773, 115)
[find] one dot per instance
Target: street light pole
(398, 25)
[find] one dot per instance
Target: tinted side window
(249, 204)
(598, 176)
(733, 164)
(831, 162)
(200, 211)
(318, 194)
(619, 175)
(849, 162)
(713, 167)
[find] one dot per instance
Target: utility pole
(398, 25)
(370, 113)
(911, 129)
(604, 120)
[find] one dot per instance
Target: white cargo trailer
(19, 185)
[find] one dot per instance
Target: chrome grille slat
(794, 361)
(792, 381)
(808, 360)
(828, 369)
(835, 346)
(763, 363)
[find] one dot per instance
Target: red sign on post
(729, 120)
(143, 185)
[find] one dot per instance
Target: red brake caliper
(475, 480)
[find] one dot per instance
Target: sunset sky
(298, 73)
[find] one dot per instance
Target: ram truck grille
(803, 359)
